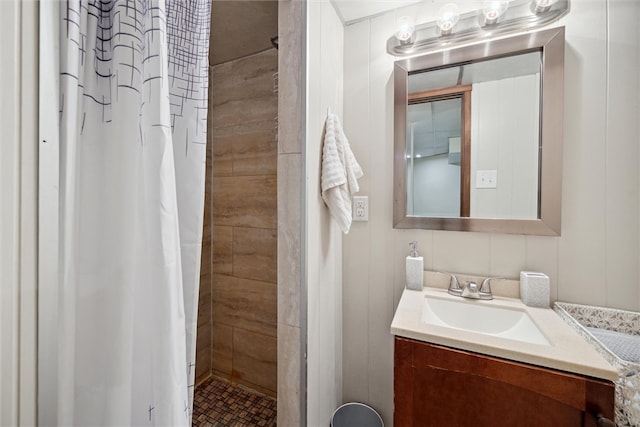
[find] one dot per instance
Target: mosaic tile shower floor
(220, 404)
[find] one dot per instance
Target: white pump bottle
(414, 268)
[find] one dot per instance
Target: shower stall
(237, 316)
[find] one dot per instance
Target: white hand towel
(340, 173)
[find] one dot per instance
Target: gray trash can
(356, 415)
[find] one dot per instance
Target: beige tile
(203, 337)
(246, 149)
(210, 113)
(209, 154)
(255, 253)
(244, 303)
(255, 359)
(203, 352)
(256, 387)
(208, 176)
(291, 86)
(289, 261)
(291, 20)
(205, 253)
(222, 375)
(288, 376)
(203, 367)
(205, 264)
(245, 201)
(222, 152)
(258, 109)
(202, 378)
(255, 149)
(222, 250)
(247, 78)
(222, 349)
(243, 93)
(206, 220)
(204, 300)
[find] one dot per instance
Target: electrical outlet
(361, 208)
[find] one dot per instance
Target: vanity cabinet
(441, 386)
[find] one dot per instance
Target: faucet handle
(485, 288)
(454, 285)
(473, 287)
(470, 290)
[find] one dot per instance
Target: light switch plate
(487, 179)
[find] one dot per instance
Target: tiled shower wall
(238, 290)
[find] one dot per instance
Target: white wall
(18, 211)
(324, 239)
(596, 259)
(504, 137)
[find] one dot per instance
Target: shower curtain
(133, 110)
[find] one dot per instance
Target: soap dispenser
(414, 268)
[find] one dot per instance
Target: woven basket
(580, 317)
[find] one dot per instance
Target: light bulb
(404, 30)
(493, 9)
(448, 16)
(542, 5)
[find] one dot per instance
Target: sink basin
(481, 317)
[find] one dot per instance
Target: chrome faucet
(470, 289)
(454, 285)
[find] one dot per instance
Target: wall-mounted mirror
(478, 137)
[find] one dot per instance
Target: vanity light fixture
(448, 17)
(493, 9)
(405, 28)
(497, 17)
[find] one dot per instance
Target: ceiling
(240, 28)
(354, 10)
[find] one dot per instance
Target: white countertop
(567, 351)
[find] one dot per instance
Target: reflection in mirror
(504, 139)
(433, 156)
(478, 136)
(437, 152)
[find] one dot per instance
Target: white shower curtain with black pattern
(133, 110)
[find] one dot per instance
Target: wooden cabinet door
(440, 386)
